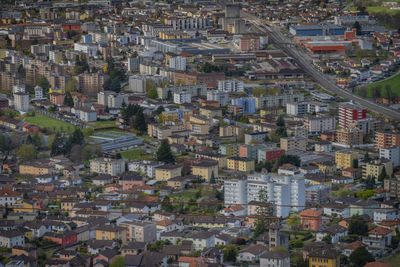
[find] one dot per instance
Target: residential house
(311, 219)
(206, 169)
(324, 257)
(202, 240)
(140, 231)
(111, 232)
(11, 238)
(251, 253)
(168, 171)
(275, 258)
(336, 232)
(130, 179)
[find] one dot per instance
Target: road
(305, 62)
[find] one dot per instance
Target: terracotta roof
(311, 213)
(389, 222)
(380, 231)
(355, 245)
(165, 222)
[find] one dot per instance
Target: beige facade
(205, 169)
(112, 167)
(297, 143)
(140, 231)
(375, 168)
(166, 172)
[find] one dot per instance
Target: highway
(305, 62)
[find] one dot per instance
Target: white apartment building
(177, 63)
(221, 97)
(18, 89)
(38, 92)
(21, 101)
(391, 153)
(145, 166)
(90, 49)
(302, 108)
(183, 97)
(230, 86)
(319, 124)
(282, 190)
(109, 166)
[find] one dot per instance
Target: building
(285, 191)
(113, 167)
(140, 231)
(248, 104)
(329, 257)
(11, 238)
(168, 171)
(293, 143)
(318, 124)
(275, 258)
(240, 164)
(280, 100)
(182, 97)
(115, 141)
(86, 114)
(38, 167)
(267, 154)
(387, 139)
(257, 137)
(90, 83)
(393, 186)
(345, 159)
(230, 86)
(21, 101)
(57, 99)
(178, 63)
(335, 232)
(349, 136)
(375, 168)
(230, 130)
(205, 169)
(221, 97)
(317, 194)
(348, 113)
(249, 43)
(111, 232)
(194, 90)
(316, 30)
(391, 153)
(302, 108)
(145, 166)
(311, 219)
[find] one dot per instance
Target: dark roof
(131, 176)
(324, 253)
(109, 253)
(275, 255)
(254, 249)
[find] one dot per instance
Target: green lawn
(382, 9)
(137, 154)
(393, 82)
(50, 123)
(394, 260)
(102, 124)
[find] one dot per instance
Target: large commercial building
(115, 141)
(348, 113)
(316, 30)
(287, 192)
(109, 166)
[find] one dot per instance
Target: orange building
(311, 219)
(57, 99)
(387, 139)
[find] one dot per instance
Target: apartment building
(182, 97)
(240, 164)
(109, 166)
(221, 97)
(168, 171)
(195, 90)
(349, 136)
(21, 101)
(282, 190)
(393, 186)
(258, 137)
(387, 139)
(293, 143)
(230, 86)
(318, 124)
(391, 153)
(302, 108)
(145, 166)
(345, 159)
(230, 130)
(140, 231)
(249, 43)
(348, 113)
(205, 169)
(90, 83)
(270, 101)
(375, 168)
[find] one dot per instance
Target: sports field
(50, 123)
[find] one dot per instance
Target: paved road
(305, 62)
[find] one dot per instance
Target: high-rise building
(177, 63)
(90, 83)
(348, 113)
(21, 101)
(387, 139)
(286, 192)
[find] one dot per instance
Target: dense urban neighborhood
(199, 133)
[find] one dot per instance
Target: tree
(364, 195)
(119, 261)
(382, 175)
(358, 226)
(259, 91)
(327, 239)
(355, 163)
(76, 153)
(369, 183)
(68, 101)
(264, 212)
(280, 122)
(230, 253)
(291, 159)
(152, 93)
(164, 152)
(60, 146)
(77, 137)
(294, 223)
(71, 85)
(140, 122)
(159, 110)
(357, 26)
(27, 152)
(212, 178)
(366, 157)
(360, 256)
(36, 140)
(44, 83)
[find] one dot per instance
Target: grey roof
(275, 255)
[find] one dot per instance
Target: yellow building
(25, 205)
(230, 150)
(345, 159)
(173, 35)
(213, 156)
(205, 169)
(111, 232)
(240, 164)
(324, 257)
(169, 116)
(375, 168)
(67, 205)
(168, 171)
(210, 112)
(35, 168)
